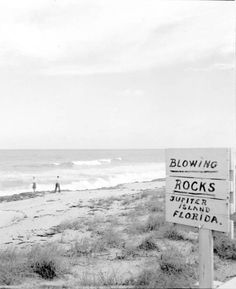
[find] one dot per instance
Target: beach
(99, 238)
(76, 169)
(30, 219)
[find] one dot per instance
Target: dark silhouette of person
(34, 185)
(57, 185)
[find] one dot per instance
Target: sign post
(198, 194)
(206, 264)
(232, 191)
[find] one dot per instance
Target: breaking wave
(97, 162)
(83, 178)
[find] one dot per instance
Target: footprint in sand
(8, 218)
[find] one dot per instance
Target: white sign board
(207, 213)
(198, 188)
(206, 188)
(206, 163)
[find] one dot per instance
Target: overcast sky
(116, 73)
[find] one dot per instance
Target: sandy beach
(112, 238)
(29, 220)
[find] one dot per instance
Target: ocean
(77, 169)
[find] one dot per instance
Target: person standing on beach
(57, 186)
(34, 184)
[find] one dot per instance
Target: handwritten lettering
(195, 216)
(205, 164)
(193, 185)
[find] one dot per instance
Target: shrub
(171, 272)
(82, 247)
(127, 252)
(101, 278)
(46, 261)
(154, 278)
(155, 204)
(146, 277)
(126, 201)
(145, 193)
(46, 269)
(68, 225)
(86, 247)
(148, 244)
(154, 222)
(43, 261)
(172, 233)
(12, 267)
(109, 278)
(94, 224)
(224, 247)
(111, 238)
(172, 261)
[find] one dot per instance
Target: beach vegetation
(154, 222)
(145, 193)
(86, 247)
(94, 224)
(107, 238)
(154, 205)
(138, 237)
(109, 201)
(46, 261)
(140, 226)
(83, 247)
(111, 238)
(224, 247)
(126, 201)
(68, 225)
(148, 243)
(103, 278)
(172, 261)
(13, 267)
(109, 278)
(172, 271)
(128, 252)
(173, 233)
(154, 278)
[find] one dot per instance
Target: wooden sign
(206, 188)
(198, 188)
(233, 217)
(202, 163)
(212, 214)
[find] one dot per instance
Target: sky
(117, 74)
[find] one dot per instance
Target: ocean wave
(113, 179)
(86, 179)
(67, 164)
(96, 162)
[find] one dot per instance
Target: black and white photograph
(117, 144)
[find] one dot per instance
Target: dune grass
(75, 224)
(47, 261)
(148, 244)
(172, 271)
(173, 233)
(224, 247)
(86, 247)
(43, 261)
(13, 267)
(104, 279)
(140, 238)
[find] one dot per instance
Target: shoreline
(29, 195)
(25, 216)
(98, 233)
